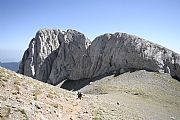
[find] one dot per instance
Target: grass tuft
(24, 113)
(36, 93)
(4, 112)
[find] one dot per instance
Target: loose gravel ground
(139, 95)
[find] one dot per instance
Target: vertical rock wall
(55, 55)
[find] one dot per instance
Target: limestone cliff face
(55, 55)
(40, 47)
(121, 52)
(69, 61)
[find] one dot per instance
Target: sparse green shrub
(4, 112)
(50, 96)
(3, 98)
(97, 118)
(1, 76)
(24, 113)
(2, 84)
(35, 96)
(17, 88)
(99, 112)
(17, 82)
(55, 105)
(36, 93)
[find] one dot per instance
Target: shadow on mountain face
(75, 85)
(175, 77)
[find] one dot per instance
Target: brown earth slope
(139, 95)
(23, 98)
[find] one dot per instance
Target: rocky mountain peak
(55, 55)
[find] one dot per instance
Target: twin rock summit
(55, 55)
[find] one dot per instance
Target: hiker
(79, 95)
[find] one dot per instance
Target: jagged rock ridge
(55, 55)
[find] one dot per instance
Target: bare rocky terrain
(23, 98)
(138, 95)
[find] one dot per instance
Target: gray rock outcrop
(40, 47)
(55, 55)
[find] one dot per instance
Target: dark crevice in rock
(46, 67)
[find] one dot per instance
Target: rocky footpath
(55, 55)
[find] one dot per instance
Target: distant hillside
(10, 65)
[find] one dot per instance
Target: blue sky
(154, 20)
